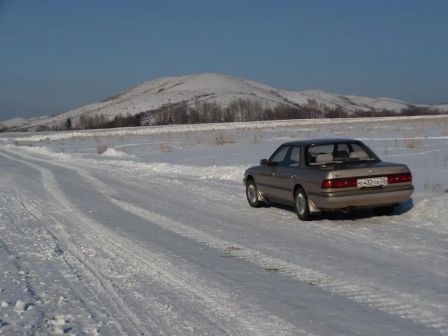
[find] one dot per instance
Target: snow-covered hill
(216, 88)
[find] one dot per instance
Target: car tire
(252, 194)
(301, 205)
(384, 211)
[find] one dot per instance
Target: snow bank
(226, 173)
(113, 152)
(233, 173)
(42, 150)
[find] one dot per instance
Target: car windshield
(333, 153)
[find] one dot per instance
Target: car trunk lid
(348, 176)
(364, 169)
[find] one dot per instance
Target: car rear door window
(293, 159)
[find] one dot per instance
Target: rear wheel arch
(303, 200)
(297, 186)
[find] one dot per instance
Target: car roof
(308, 142)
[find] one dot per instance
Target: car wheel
(384, 211)
(252, 194)
(301, 204)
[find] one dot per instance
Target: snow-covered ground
(147, 231)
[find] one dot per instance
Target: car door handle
(293, 176)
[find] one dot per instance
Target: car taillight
(339, 183)
(399, 178)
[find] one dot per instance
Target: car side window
(279, 156)
(342, 151)
(343, 147)
(356, 148)
(357, 152)
(316, 151)
(294, 157)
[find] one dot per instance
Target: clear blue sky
(56, 55)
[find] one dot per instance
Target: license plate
(372, 182)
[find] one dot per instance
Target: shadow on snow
(352, 215)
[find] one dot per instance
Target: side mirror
(263, 162)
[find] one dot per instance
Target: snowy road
(101, 246)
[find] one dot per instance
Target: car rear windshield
(333, 153)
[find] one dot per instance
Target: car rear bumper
(360, 199)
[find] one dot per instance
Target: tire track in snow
(374, 239)
(425, 217)
(252, 320)
(405, 305)
(395, 243)
(43, 245)
(51, 185)
(385, 242)
(227, 202)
